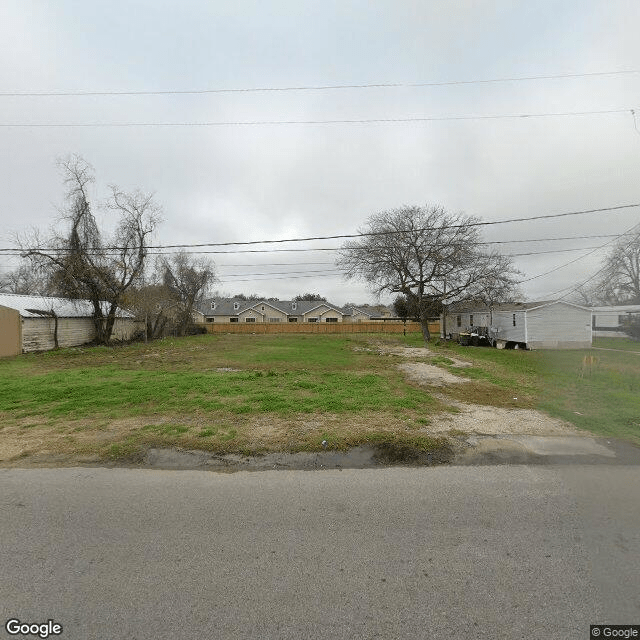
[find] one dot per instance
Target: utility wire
(376, 233)
(566, 264)
(255, 123)
(379, 85)
(595, 275)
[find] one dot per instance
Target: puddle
(527, 449)
(362, 457)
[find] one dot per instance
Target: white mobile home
(553, 324)
(608, 322)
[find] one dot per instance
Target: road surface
(447, 552)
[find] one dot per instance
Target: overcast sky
(234, 182)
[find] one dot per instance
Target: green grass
(604, 399)
(290, 392)
(180, 393)
(113, 392)
(625, 344)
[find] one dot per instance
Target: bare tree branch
(79, 263)
(429, 255)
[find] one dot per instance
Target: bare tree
(620, 279)
(79, 262)
(24, 279)
(187, 280)
(153, 305)
(429, 255)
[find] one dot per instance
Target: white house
(550, 324)
(607, 322)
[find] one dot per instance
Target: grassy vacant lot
(223, 393)
(251, 394)
(603, 397)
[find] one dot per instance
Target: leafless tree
(26, 280)
(429, 255)
(152, 305)
(80, 262)
(187, 280)
(620, 279)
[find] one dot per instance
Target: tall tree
(80, 262)
(620, 279)
(25, 280)
(187, 280)
(429, 255)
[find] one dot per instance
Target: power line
(566, 264)
(596, 274)
(377, 233)
(379, 85)
(255, 123)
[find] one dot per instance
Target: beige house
(236, 310)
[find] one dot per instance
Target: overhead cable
(259, 123)
(377, 85)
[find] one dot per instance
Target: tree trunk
(55, 330)
(424, 325)
(443, 327)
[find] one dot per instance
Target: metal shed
(32, 323)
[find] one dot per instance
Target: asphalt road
(448, 552)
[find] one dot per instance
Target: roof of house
(226, 306)
(468, 306)
(62, 307)
(623, 308)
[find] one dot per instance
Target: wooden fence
(317, 327)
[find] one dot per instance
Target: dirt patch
(429, 374)
(417, 352)
(480, 420)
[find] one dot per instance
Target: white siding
(37, 333)
(558, 326)
(503, 322)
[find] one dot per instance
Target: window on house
(459, 321)
(236, 306)
(275, 319)
(331, 319)
(249, 319)
(514, 319)
(471, 319)
(262, 308)
(233, 320)
(312, 319)
(294, 306)
(213, 305)
(210, 319)
(293, 319)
